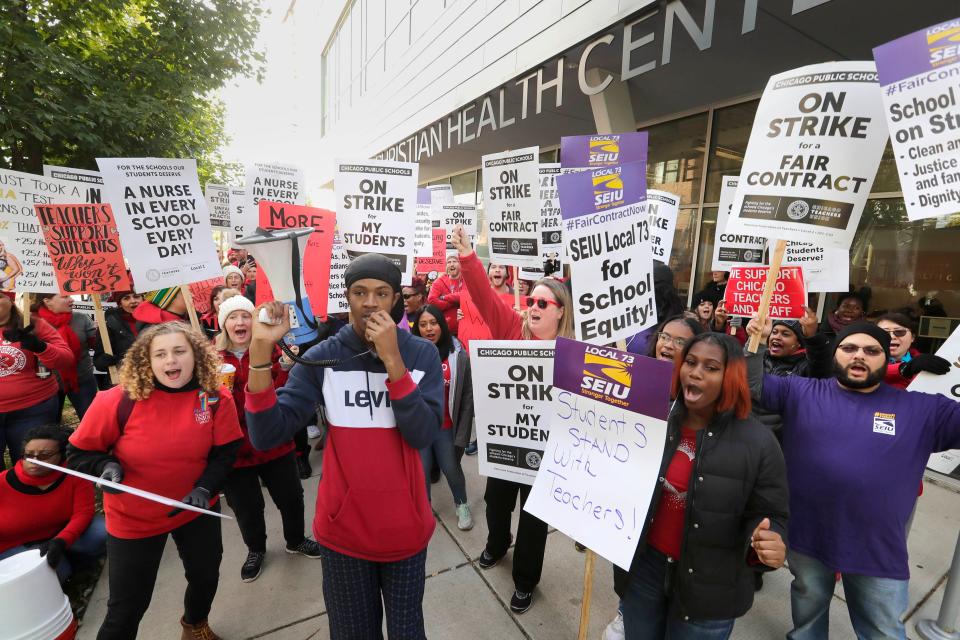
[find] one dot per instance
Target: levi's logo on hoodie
(366, 398)
(359, 399)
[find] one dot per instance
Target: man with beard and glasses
(855, 449)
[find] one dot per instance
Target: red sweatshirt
(473, 326)
(504, 322)
(19, 385)
(29, 514)
(248, 456)
(163, 449)
(445, 295)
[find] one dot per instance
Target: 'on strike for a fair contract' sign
(745, 288)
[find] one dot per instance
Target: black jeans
(133, 565)
(245, 497)
(501, 498)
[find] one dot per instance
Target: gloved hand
(108, 360)
(25, 336)
(925, 362)
(113, 472)
(53, 550)
(199, 497)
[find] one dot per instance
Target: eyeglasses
(897, 332)
(680, 343)
(541, 302)
(41, 455)
(851, 349)
(407, 296)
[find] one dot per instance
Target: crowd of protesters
(757, 473)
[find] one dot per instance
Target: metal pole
(945, 626)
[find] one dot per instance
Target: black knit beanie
(375, 266)
(793, 325)
(868, 328)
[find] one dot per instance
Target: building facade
(442, 82)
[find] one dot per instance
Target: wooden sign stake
(768, 286)
(587, 594)
(25, 303)
(516, 288)
(191, 310)
(104, 334)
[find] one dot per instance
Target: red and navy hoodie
(372, 501)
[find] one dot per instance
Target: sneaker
(486, 559)
(471, 449)
(307, 548)
(614, 630)
(464, 517)
(252, 566)
(520, 601)
(304, 468)
(313, 432)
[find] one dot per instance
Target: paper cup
(227, 373)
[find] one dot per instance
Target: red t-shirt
(163, 449)
(447, 421)
(666, 532)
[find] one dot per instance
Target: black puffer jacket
(121, 339)
(738, 479)
(815, 362)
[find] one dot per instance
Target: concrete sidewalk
(463, 601)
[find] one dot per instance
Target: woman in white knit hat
(233, 277)
(276, 467)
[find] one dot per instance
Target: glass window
(708, 227)
(681, 256)
(549, 156)
(887, 180)
(731, 131)
(675, 156)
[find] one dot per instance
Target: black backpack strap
(124, 409)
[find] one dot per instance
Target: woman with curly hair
(170, 428)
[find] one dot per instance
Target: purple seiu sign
(603, 150)
(919, 52)
(600, 190)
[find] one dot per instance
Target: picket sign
(104, 335)
(25, 302)
(516, 288)
(775, 261)
(191, 310)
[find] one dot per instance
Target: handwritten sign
(602, 460)
(84, 247)
(200, 291)
(745, 288)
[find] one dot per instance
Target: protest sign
(87, 308)
(603, 150)
(24, 262)
(267, 181)
(602, 459)
(662, 207)
(69, 173)
(551, 227)
(337, 292)
(317, 255)
(84, 247)
(163, 220)
(512, 204)
(435, 264)
(921, 95)
(513, 382)
(377, 210)
(825, 269)
(733, 248)
(813, 153)
(462, 214)
(218, 204)
(745, 288)
(200, 291)
(238, 199)
(946, 462)
(423, 235)
(606, 233)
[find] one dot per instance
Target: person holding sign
(719, 512)
(382, 393)
(170, 428)
(28, 395)
(121, 328)
(721, 323)
(853, 482)
(548, 316)
(445, 293)
(78, 331)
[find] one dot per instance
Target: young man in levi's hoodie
(383, 398)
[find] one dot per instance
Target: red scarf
(61, 322)
(32, 481)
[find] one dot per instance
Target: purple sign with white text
(603, 150)
(599, 190)
(919, 52)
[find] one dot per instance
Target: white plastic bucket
(32, 604)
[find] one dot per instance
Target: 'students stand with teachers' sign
(600, 467)
(513, 382)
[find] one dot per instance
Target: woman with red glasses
(547, 316)
(905, 361)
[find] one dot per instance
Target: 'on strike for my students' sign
(84, 247)
(745, 288)
(513, 382)
(608, 430)
(816, 143)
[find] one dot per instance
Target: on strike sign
(745, 288)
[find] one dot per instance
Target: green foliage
(120, 78)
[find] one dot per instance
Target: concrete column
(612, 107)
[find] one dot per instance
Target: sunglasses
(897, 332)
(851, 349)
(407, 296)
(542, 303)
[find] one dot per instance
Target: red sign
(437, 262)
(84, 247)
(201, 293)
(745, 288)
(316, 257)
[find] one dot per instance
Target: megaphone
(279, 252)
